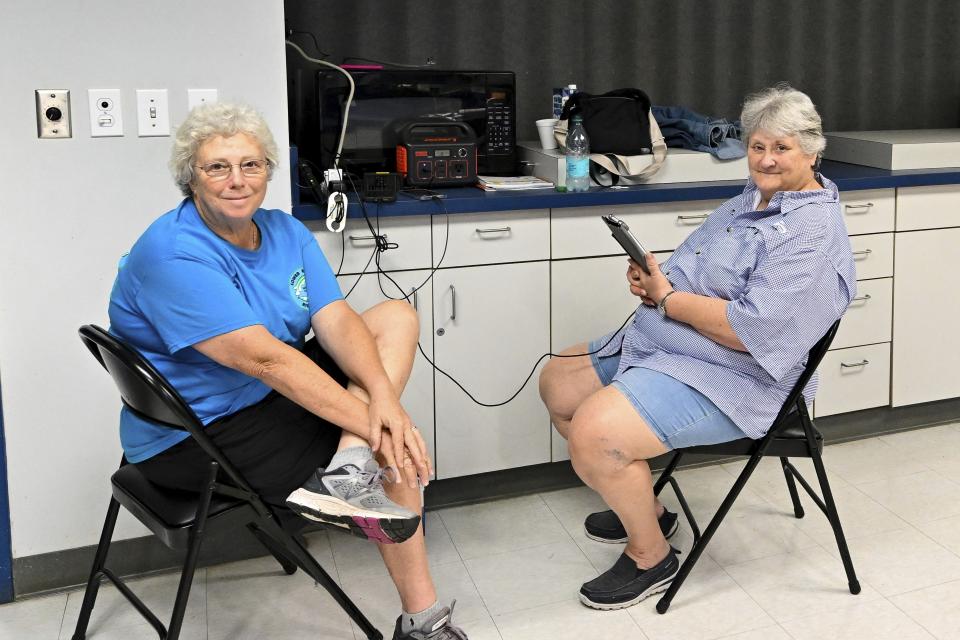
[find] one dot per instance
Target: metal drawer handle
(415, 306)
(453, 296)
(862, 298)
(699, 218)
(501, 230)
(865, 206)
(358, 238)
(863, 252)
(862, 363)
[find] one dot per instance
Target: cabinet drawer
(492, 238)
(868, 319)
(410, 233)
(928, 207)
(853, 379)
(868, 211)
(580, 232)
(873, 255)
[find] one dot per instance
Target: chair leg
(792, 487)
(664, 603)
(667, 473)
(193, 554)
(311, 567)
(93, 583)
(289, 566)
(834, 518)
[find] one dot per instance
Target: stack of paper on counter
(511, 183)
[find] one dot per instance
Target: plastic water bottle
(577, 153)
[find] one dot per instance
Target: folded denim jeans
(686, 129)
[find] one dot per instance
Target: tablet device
(621, 233)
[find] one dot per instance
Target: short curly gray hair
(217, 119)
(784, 111)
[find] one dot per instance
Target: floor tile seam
(476, 587)
(792, 618)
(63, 616)
(750, 596)
(562, 526)
(446, 529)
(536, 606)
(911, 526)
(537, 545)
(775, 624)
(910, 617)
(898, 478)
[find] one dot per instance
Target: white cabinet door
(926, 343)
(417, 397)
(491, 324)
(355, 245)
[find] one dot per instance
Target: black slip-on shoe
(605, 526)
(624, 584)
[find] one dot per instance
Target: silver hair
(217, 119)
(784, 111)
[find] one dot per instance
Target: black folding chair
(179, 518)
(792, 435)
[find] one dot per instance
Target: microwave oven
(386, 99)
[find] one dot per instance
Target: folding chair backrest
(147, 393)
(814, 356)
(143, 389)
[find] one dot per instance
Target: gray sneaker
(354, 499)
(436, 628)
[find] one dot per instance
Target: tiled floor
(515, 565)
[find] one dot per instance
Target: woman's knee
(392, 316)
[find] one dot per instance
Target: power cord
(381, 242)
(346, 106)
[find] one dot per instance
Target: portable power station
(437, 154)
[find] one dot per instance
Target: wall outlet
(197, 97)
(153, 113)
(53, 113)
(106, 114)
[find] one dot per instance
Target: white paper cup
(545, 129)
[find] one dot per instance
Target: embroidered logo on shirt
(779, 226)
(298, 287)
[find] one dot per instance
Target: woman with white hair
(219, 295)
(718, 342)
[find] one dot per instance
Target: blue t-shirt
(182, 284)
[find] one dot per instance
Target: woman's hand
(405, 451)
(649, 288)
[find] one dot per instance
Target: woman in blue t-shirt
(220, 295)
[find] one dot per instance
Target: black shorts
(275, 444)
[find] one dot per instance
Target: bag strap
(616, 167)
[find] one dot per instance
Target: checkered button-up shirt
(788, 273)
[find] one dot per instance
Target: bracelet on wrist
(662, 305)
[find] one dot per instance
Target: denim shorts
(678, 414)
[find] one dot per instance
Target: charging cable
(336, 211)
(346, 106)
(382, 246)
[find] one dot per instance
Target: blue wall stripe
(6, 557)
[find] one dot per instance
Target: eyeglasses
(219, 170)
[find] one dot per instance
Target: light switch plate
(53, 113)
(196, 97)
(106, 113)
(153, 113)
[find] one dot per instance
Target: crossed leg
(395, 328)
